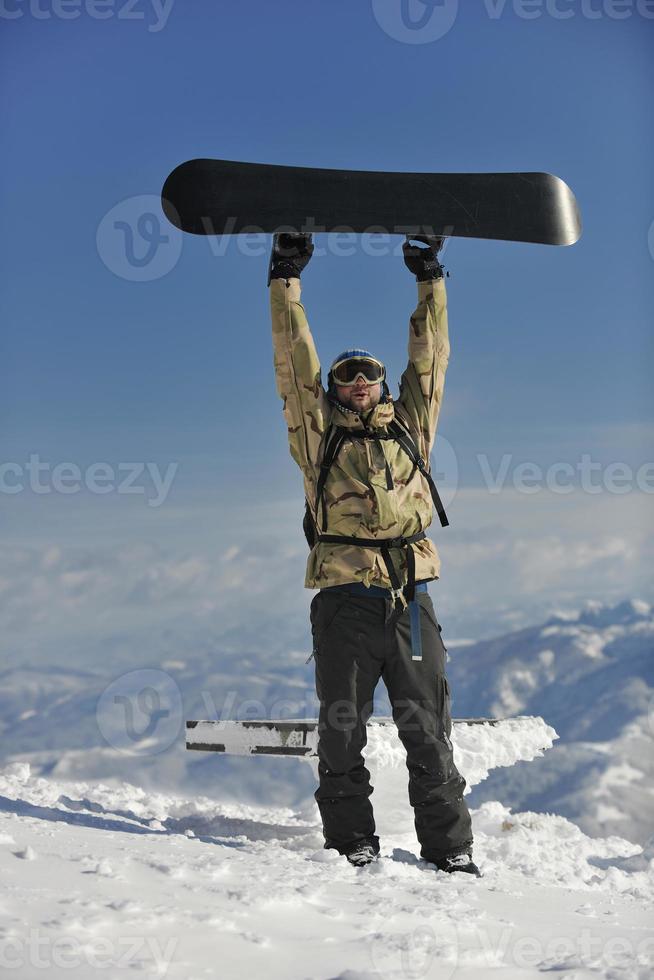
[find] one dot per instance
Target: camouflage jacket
(357, 500)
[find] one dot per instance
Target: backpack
(336, 436)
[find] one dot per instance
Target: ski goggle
(348, 372)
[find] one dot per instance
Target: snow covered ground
(103, 879)
(113, 881)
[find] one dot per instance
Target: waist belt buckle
(397, 595)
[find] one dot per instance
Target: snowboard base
(224, 197)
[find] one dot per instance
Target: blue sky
(551, 348)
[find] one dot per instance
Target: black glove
(423, 262)
(290, 254)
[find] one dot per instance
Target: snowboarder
(369, 499)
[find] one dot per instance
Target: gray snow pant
(356, 640)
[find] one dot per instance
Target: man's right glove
(290, 254)
(423, 262)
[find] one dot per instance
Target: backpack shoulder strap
(402, 436)
(336, 436)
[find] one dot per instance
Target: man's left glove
(423, 262)
(290, 254)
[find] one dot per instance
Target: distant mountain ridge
(591, 676)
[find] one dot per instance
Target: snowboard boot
(363, 852)
(458, 862)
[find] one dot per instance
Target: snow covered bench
(480, 744)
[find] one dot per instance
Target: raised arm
(297, 368)
(421, 386)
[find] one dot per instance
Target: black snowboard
(221, 197)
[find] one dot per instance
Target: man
(369, 499)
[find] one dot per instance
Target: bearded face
(360, 397)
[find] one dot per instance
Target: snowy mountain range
(588, 673)
(591, 676)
